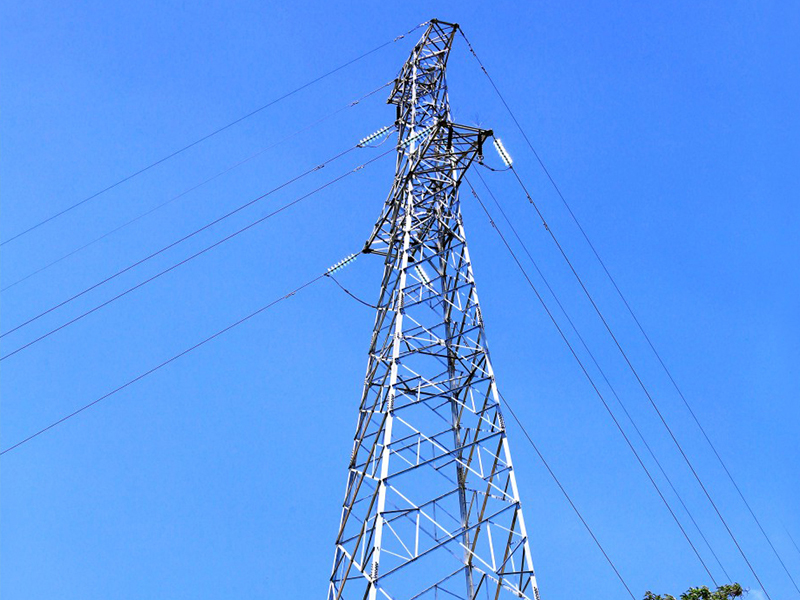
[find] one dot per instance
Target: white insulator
(501, 150)
(423, 276)
(371, 138)
(419, 134)
(342, 263)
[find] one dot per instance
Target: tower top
(421, 81)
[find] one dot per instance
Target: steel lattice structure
(431, 506)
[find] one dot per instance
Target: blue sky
(671, 128)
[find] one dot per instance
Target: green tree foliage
(724, 592)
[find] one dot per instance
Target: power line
(195, 255)
(629, 308)
(181, 240)
(195, 187)
(566, 495)
(162, 364)
(605, 378)
(209, 135)
(589, 378)
(796, 547)
(351, 294)
(639, 380)
(176, 242)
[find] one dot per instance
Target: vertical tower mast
(431, 504)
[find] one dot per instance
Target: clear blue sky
(673, 130)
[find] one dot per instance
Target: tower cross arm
(444, 155)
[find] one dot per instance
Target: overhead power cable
(163, 364)
(195, 187)
(195, 255)
(589, 379)
(629, 308)
(211, 134)
(796, 547)
(351, 294)
(181, 240)
(186, 237)
(604, 376)
(566, 495)
(640, 381)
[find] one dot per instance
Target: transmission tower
(431, 507)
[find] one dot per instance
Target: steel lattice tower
(431, 506)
